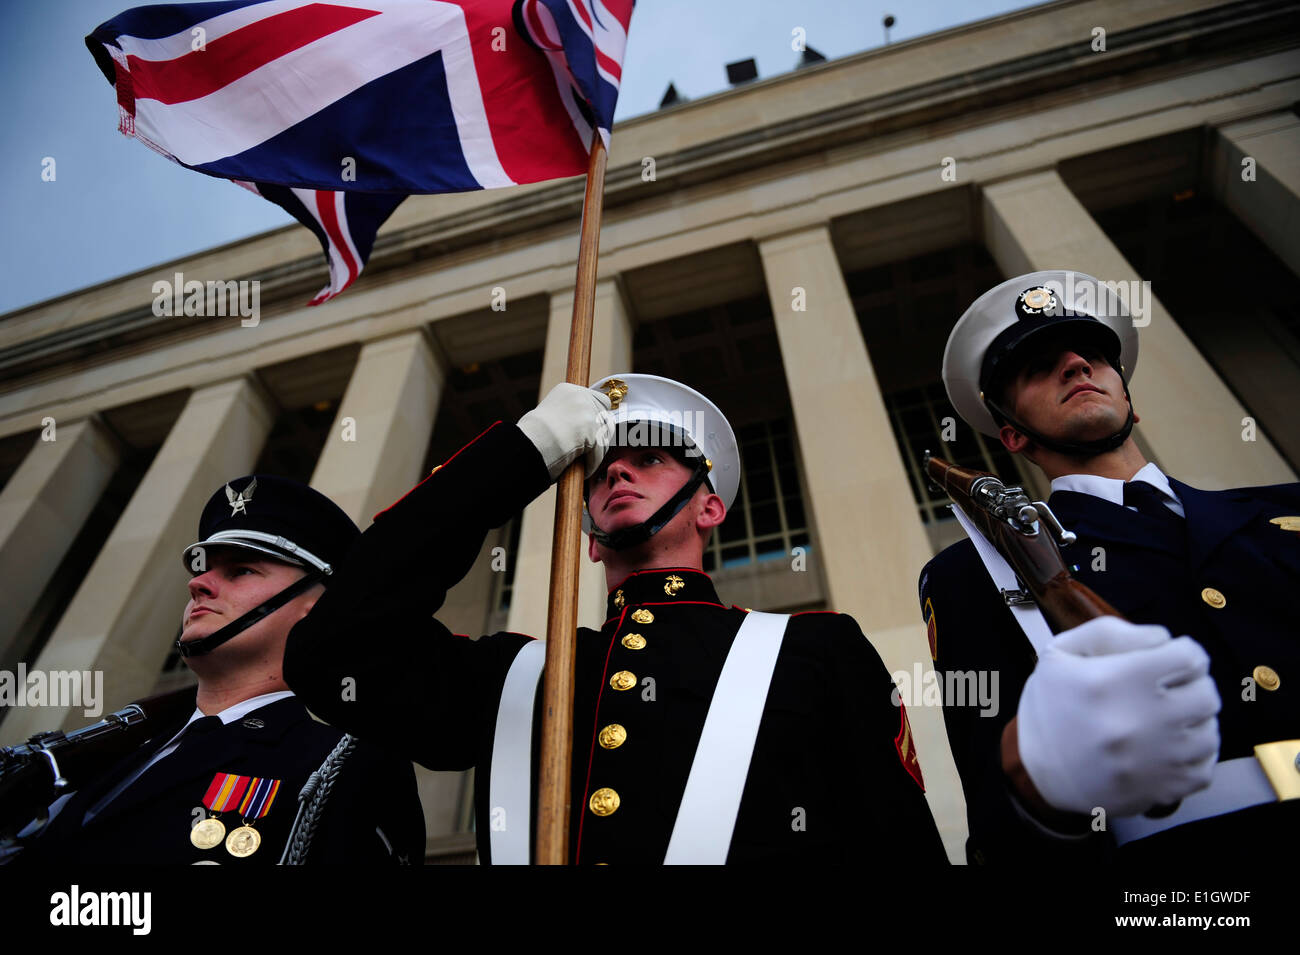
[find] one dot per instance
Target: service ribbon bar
(225, 791)
(259, 797)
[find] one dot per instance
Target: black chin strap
(205, 645)
(640, 533)
(1085, 449)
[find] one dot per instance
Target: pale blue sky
(117, 207)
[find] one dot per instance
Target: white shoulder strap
(706, 818)
(510, 816)
(1027, 615)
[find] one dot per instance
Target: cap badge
(1035, 301)
(239, 501)
(616, 388)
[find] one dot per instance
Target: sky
(114, 206)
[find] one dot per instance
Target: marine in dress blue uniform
(1220, 566)
(143, 809)
(834, 775)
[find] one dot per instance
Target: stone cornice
(1020, 84)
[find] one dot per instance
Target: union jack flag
(338, 110)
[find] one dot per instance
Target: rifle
(35, 773)
(1015, 526)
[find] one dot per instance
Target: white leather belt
(706, 817)
(1236, 784)
(510, 810)
(1030, 618)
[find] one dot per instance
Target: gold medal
(208, 833)
(243, 842)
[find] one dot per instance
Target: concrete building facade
(797, 248)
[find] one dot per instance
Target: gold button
(1267, 678)
(673, 584)
(618, 599)
(633, 641)
(603, 802)
(643, 616)
(1214, 598)
(612, 736)
(623, 680)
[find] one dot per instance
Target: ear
(712, 512)
(1012, 440)
(308, 600)
(591, 549)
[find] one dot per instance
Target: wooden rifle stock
(1025, 538)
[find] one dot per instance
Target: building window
(767, 520)
(917, 415)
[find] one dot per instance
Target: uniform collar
(1112, 489)
(241, 709)
(658, 586)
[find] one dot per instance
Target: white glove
(571, 421)
(1119, 716)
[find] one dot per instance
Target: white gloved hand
(1119, 716)
(571, 421)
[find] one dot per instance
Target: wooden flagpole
(553, 796)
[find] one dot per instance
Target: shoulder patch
(931, 630)
(906, 747)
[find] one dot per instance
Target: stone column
(611, 351)
(870, 541)
(127, 612)
(1191, 422)
(869, 538)
(375, 451)
(42, 510)
(1256, 174)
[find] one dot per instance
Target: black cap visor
(1017, 344)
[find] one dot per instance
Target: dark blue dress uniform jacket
(826, 782)
(149, 822)
(1152, 572)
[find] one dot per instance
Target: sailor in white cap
(1115, 723)
(702, 733)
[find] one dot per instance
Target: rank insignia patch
(931, 630)
(907, 748)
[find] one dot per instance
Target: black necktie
(193, 734)
(197, 731)
(1148, 501)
